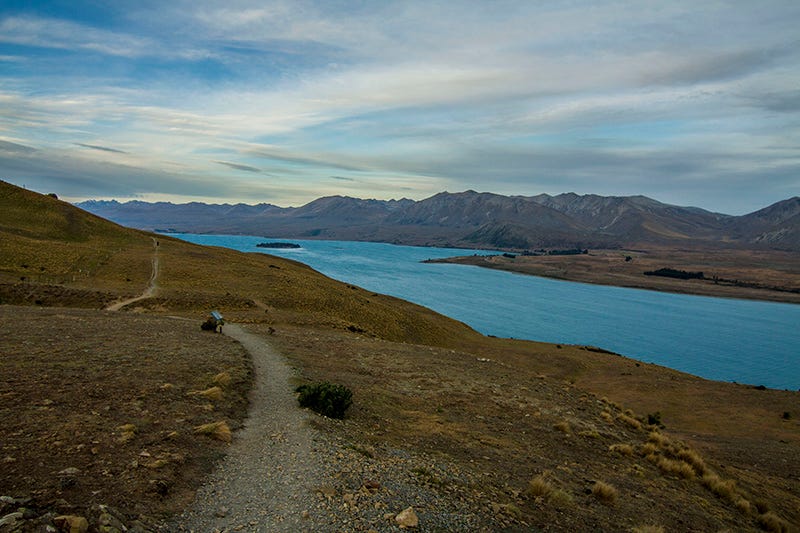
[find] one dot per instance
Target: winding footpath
(268, 478)
(152, 286)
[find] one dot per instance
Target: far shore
(746, 274)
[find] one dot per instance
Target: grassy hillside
(535, 429)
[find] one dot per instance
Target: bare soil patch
(102, 408)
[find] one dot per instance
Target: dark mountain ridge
(483, 220)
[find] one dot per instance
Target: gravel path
(266, 482)
(281, 474)
(152, 285)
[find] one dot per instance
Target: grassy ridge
(46, 241)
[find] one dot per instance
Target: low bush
(325, 398)
(654, 419)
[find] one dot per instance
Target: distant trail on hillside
(152, 286)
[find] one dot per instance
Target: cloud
(101, 148)
(237, 166)
(321, 97)
(14, 148)
(56, 33)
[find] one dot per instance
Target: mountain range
(477, 220)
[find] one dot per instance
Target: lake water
(723, 339)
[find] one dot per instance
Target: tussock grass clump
(539, 487)
(762, 506)
(213, 393)
(215, 430)
(608, 417)
(127, 433)
(676, 467)
(629, 420)
(223, 379)
(326, 398)
(769, 521)
(743, 505)
(562, 426)
(623, 449)
(724, 488)
(694, 459)
(605, 492)
(560, 498)
(590, 434)
(659, 439)
(648, 448)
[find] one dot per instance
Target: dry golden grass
(724, 488)
(769, 521)
(648, 449)
(630, 421)
(608, 417)
(562, 426)
(217, 430)
(623, 449)
(222, 379)
(659, 439)
(538, 487)
(212, 393)
(676, 467)
(743, 505)
(694, 459)
(605, 492)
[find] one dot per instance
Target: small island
(277, 245)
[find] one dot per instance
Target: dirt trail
(152, 287)
(266, 481)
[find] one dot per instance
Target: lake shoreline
(779, 282)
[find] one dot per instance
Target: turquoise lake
(745, 341)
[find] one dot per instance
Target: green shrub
(326, 398)
(654, 419)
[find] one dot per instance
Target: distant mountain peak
(470, 218)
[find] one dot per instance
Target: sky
(690, 103)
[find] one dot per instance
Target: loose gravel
(282, 474)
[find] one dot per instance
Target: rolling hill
(523, 435)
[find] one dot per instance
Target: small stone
(72, 524)
(71, 471)
(306, 515)
(327, 491)
(407, 518)
(222, 512)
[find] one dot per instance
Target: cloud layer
(282, 102)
